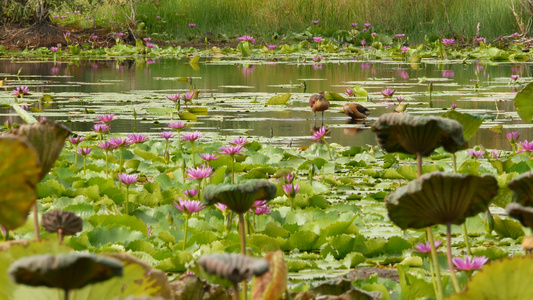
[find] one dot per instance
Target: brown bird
(318, 102)
(356, 111)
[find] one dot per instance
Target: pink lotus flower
(147, 39)
(76, 140)
(526, 146)
(208, 156)
(106, 118)
(192, 25)
(66, 35)
(363, 43)
(315, 22)
(373, 34)
(261, 210)
(54, 49)
(317, 39)
(94, 37)
(354, 25)
(426, 248)
(188, 96)
(481, 39)
(448, 41)
(199, 172)
(100, 128)
(512, 136)
(350, 92)
(191, 193)
(447, 73)
(120, 34)
(405, 49)
(231, 150)
(515, 77)
(20, 91)
(453, 106)
(119, 142)
(84, 151)
(494, 154)
(515, 35)
(468, 264)
(288, 178)
(192, 136)
(128, 178)
(104, 145)
(399, 36)
(319, 134)
(272, 47)
(189, 206)
(137, 138)
(166, 134)
(367, 25)
(475, 153)
(221, 206)
(291, 189)
(177, 125)
(245, 38)
(317, 58)
(149, 45)
(387, 93)
(239, 141)
(259, 203)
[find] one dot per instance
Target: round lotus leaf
(522, 187)
(503, 279)
(411, 134)
(48, 139)
(233, 267)
(71, 224)
(19, 174)
(440, 198)
(64, 271)
(524, 214)
(239, 197)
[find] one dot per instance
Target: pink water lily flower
(515, 77)
(319, 134)
(106, 118)
(468, 264)
(100, 128)
(261, 210)
(231, 150)
(315, 22)
(453, 106)
(272, 47)
(526, 146)
(189, 206)
(246, 38)
(192, 136)
(399, 36)
(239, 141)
(128, 178)
(76, 140)
(166, 134)
(448, 41)
(188, 95)
(367, 25)
(54, 49)
(174, 97)
(191, 193)
(512, 136)
(354, 25)
(363, 43)
(426, 248)
(208, 156)
(137, 138)
(177, 125)
(117, 142)
(350, 92)
(475, 153)
(388, 92)
(84, 151)
(192, 25)
(317, 39)
(221, 206)
(291, 189)
(317, 58)
(104, 145)
(405, 49)
(20, 91)
(199, 172)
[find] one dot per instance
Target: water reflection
(235, 94)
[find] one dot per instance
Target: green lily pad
(502, 279)
(19, 175)
(523, 103)
(335, 97)
(279, 99)
(470, 124)
(440, 198)
(410, 134)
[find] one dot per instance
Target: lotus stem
(186, 229)
(454, 163)
(449, 256)
(440, 294)
(166, 155)
(329, 150)
(467, 241)
(200, 189)
(235, 291)
(179, 141)
(66, 294)
(127, 199)
(60, 235)
(232, 169)
(36, 221)
(84, 165)
(120, 170)
(76, 158)
(106, 166)
(192, 153)
(430, 262)
(243, 250)
(418, 164)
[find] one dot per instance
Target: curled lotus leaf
(273, 284)
(239, 197)
(440, 198)
(48, 139)
(67, 221)
(64, 271)
(19, 175)
(412, 134)
(522, 187)
(524, 214)
(233, 267)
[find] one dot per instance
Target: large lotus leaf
(522, 187)
(523, 103)
(410, 134)
(469, 122)
(233, 267)
(19, 175)
(239, 197)
(279, 99)
(501, 280)
(440, 198)
(522, 213)
(48, 139)
(273, 284)
(64, 271)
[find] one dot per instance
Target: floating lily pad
(410, 134)
(470, 124)
(19, 175)
(279, 99)
(440, 198)
(523, 103)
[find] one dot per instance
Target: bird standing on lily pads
(355, 110)
(318, 102)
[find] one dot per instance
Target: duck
(318, 102)
(355, 111)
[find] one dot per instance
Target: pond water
(235, 93)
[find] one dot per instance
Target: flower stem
(186, 229)
(418, 165)
(449, 256)
(120, 169)
(467, 242)
(179, 141)
(440, 294)
(106, 166)
(60, 235)
(430, 262)
(166, 155)
(243, 249)
(329, 150)
(84, 164)
(232, 169)
(192, 153)
(127, 198)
